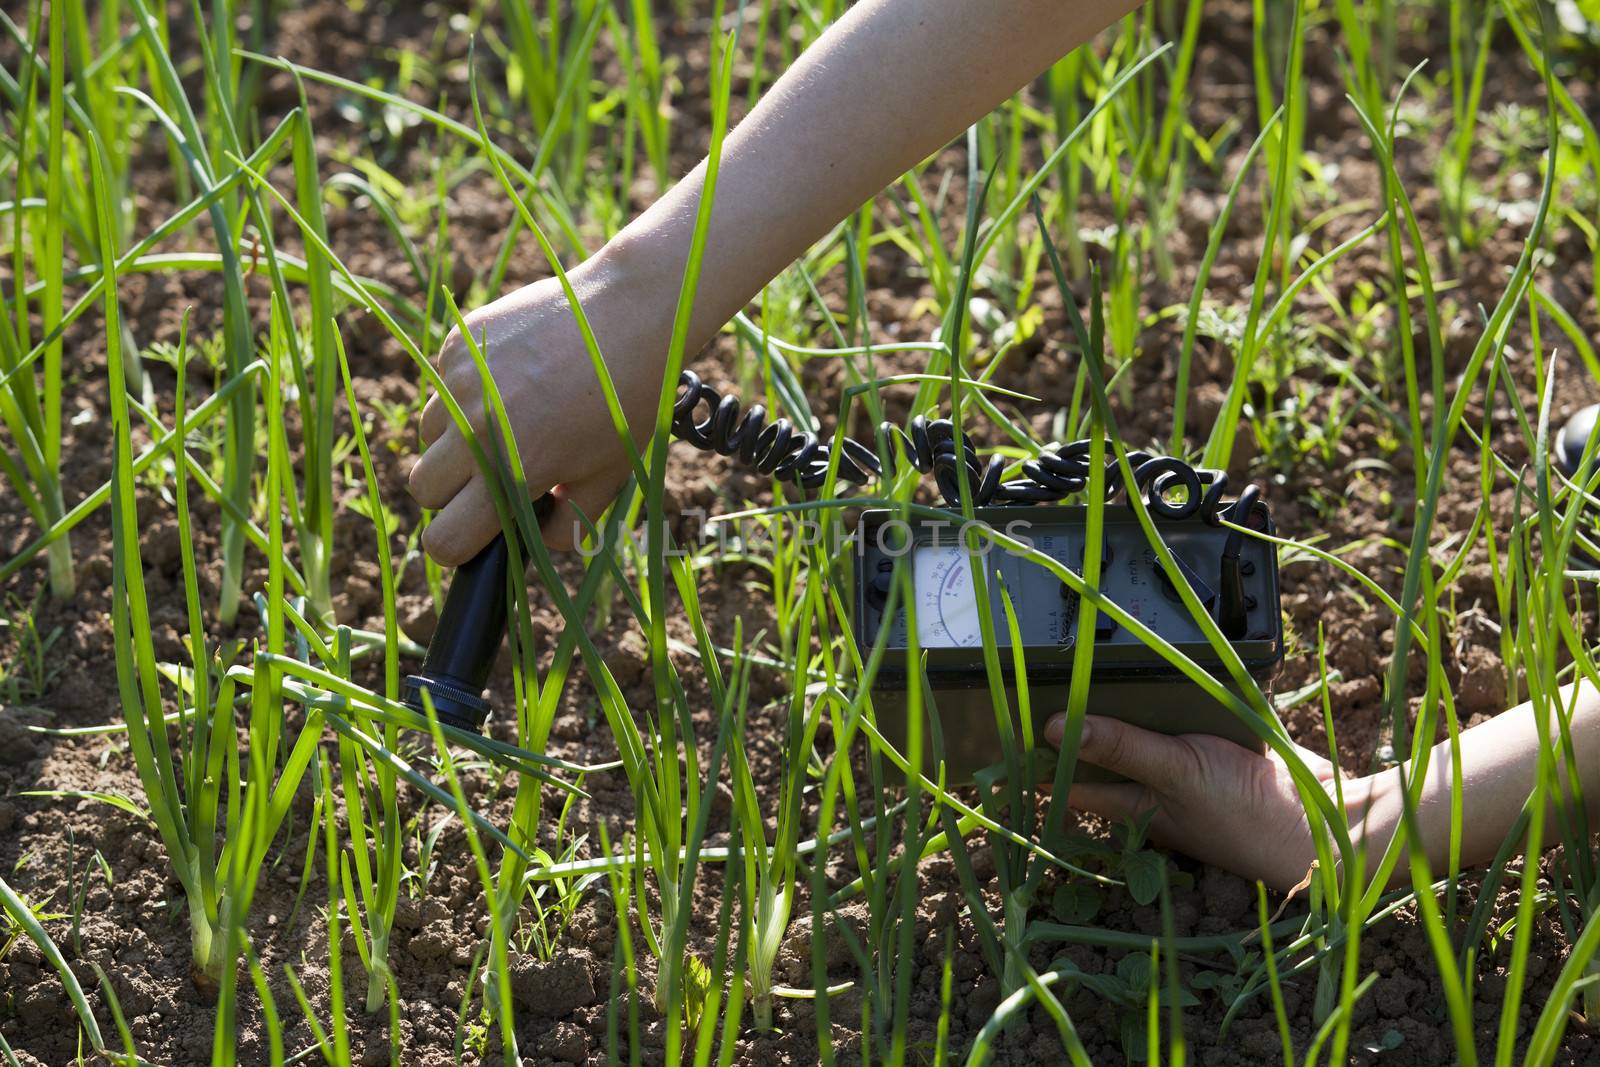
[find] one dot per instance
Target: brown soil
(133, 927)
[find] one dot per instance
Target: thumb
(1155, 759)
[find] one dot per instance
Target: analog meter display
(945, 619)
(946, 602)
(947, 605)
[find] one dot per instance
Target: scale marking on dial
(947, 609)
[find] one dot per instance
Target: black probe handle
(464, 645)
(473, 619)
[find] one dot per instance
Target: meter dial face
(947, 608)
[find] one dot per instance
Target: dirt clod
(553, 988)
(565, 1042)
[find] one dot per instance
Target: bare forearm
(885, 87)
(1499, 763)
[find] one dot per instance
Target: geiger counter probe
(1234, 577)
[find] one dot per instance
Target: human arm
(880, 90)
(1240, 810)
(1499, 761)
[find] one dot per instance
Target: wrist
(629, 291)
(642, 267)
(622, 290)
(1372, 810)
(1367, 803)
(646, 262)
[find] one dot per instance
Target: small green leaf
(1144, 871)
(696, 987)
(1134, 970)
(1226, 986)
(1075, 904)
(1135, 830)
(1065, 966)
(1110, 987)
(1131, 1027)
(115, 800)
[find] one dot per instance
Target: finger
(460, 374)
(1055, 729)
(1114, 802)
(443, 470)
(467, 523)
(1128, 802)
(566, 527)
(1320, 766)
(1134, 752)
(435, 420)
(1359, 794)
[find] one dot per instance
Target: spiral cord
(780, 449)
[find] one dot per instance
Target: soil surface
(132, 923)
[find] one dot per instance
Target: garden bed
(1356, 494)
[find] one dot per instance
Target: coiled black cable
(1170, 487)
(473, 621)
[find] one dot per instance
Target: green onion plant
(257, 713)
